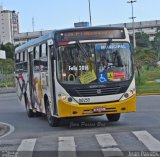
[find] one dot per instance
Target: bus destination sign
(90, 34)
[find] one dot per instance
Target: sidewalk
(3, 129)
(7, 90)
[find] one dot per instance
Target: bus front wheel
(53, 121)
(113, 117)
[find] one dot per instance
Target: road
(138, 132)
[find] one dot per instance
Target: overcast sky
(57, 14)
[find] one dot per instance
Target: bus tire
(113, 117)
(30, 113)
(53, 121)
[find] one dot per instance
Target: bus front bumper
(66, 109)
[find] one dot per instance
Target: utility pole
(90, 15)
(133, 27)
(33, 23)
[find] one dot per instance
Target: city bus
(77, 72)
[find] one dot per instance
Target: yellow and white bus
(77, 72)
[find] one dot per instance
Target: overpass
(24, 37)
(149, 27)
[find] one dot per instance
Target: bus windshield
(94, 63)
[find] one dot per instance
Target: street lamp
(90, 16)
(134, 40)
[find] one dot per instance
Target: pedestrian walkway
(98, 145)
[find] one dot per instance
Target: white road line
(26, 148)
(66, 147)
(27, 145)
(148, 140)
(11, 129)
(109, 145)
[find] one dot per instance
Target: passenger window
(37, 52)
(44, 50)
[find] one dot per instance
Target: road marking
(11, 129)
(148, 140)
(109, 145)
(66, 145)
(26, 148)
(27, 145)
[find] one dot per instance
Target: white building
(9, 25)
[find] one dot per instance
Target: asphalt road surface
(136, 134)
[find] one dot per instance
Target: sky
(58, 14)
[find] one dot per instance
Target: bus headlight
(130, 91)
(62, 97)
(66, 98)
(70, 99)
(128, 94)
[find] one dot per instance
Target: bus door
(52, 64)
(31, 79)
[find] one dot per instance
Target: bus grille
(99, 92)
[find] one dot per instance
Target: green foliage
(148, 82)
(7, 68)
(142, 40)
(156, 43)
(144, 57)
(9, 48)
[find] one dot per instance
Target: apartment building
(9, 25)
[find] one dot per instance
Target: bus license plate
(99, 109)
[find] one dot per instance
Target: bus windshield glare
(94, 63)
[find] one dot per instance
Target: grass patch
(147, 83)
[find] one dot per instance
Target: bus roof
(33, 42)
(45, 37)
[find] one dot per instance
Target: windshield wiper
(85, 53)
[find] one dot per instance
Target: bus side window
(21, 57)
(19, 68)
(26, 56)
(17, 58)
(36, 58)
(43, 57)
(44, 50)
(25, 69)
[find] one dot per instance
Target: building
(81, 24)
(9, 25)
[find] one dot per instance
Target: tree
(156, 44)
(144, 57)
(142, 40)
(9, 48)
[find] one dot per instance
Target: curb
(7, 90)
(147, 94)
(4, 129)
